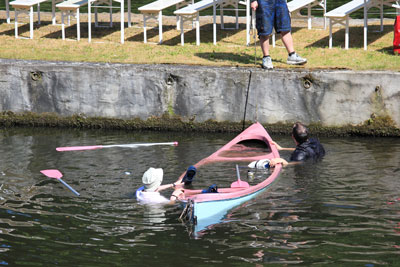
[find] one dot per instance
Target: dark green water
(170, 11)
(343, 211)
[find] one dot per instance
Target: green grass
(229, 51)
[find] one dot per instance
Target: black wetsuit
(310, 149)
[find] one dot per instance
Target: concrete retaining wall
(332, 97)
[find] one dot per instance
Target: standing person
(272, 14)
(306, 148)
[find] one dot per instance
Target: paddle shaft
(237, 171)
(68, 186)
(75, 148)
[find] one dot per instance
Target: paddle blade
(75, 148)
(52, 173)
(240, 183)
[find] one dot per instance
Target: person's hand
(275, 161)
(177, 194)
(254, 5)
(178, 185)
(276, 144)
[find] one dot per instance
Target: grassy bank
(229, 51)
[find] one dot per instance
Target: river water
(343, 211)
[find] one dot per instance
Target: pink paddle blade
(75, 148)
(52, 173)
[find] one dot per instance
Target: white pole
(330, 33)
(248, 22)
(122, 21)
(78, 25)
(62, 25)
(89, 21)
(53, 11)
(31, 21)
(365, 24)
(144, 29)
(8, 12)
(214, 22)
(160, 35)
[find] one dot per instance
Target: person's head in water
(300, 133)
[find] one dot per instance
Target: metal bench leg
(309, 16)
(214, 23)
(31, 22)
(330, 33)
(78, 25)
(273, 38)
(38, 10)
(16, 23)
(111, 21)
(62, 25)
(221, 13)
(160, 36)
(237, 16)
(122, 22)
(53, 12)
(248, 22)
(129, 14)
(197, 29)
(89, 21)
(96, 21)
(144, 29)
(182, 32)
(8, 12)
(346, 41)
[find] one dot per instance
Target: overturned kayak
(252, 144)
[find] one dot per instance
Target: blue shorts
(272, 14)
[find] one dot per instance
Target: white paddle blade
(52, 173)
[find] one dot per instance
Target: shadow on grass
(206, 34)
(151, 33)
(24, 29)
(233, 57)
(387, 50)
(356, 36)
(97, 32)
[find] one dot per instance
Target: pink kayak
(252, 144)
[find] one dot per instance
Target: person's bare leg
(287, 40)
(264, 42)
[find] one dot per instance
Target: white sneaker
(267, 63)
(295, 59)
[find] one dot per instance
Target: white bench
(26, 6)
(191, 13)
(154, 10)
(68, 7)
(108, 5)
(341, 16)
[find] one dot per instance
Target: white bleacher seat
(107, 4)
(71, 6)
(26, 6)
(154, 10)
(191, 13)
(341, 15)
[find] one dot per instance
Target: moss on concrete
(376, 126)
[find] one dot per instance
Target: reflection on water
(344, 210)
